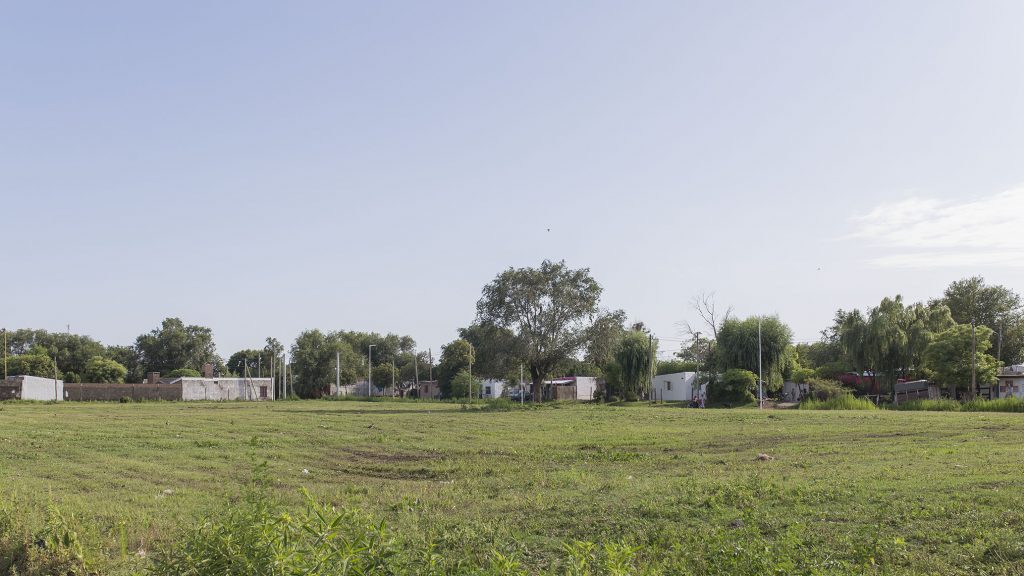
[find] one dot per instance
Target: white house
(491, 388)
(676, 387)
(1011, 382)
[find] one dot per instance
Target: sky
(263, 168)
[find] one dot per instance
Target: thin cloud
(932, 233)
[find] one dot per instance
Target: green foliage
(734, 386)
(675, 366)
(55, 549)
(840, 402)
(462, 383)
(948, 358)
(550, 310)
(634, 357)
(975, 405)
(825, 389)
(801, 375)
(128, 357)
(100, 370)
(32, 365)
(183, 373)
(314, 358)
(737, 347)
(384, 375)
(456, 356)
(832, 370)
(174, 345)
(971, 299)
(495, 353)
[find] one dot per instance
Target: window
(668, 385)
(487, 390)
(263, 391)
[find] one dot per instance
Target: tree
(102, 370)
(128, 357)
(948, 358)
(251, 363)
(383, 376)
(72, 351)
(737, 347)
(734, 386)
(32, 364)
(456, 356)
(175, 345)
(494, 350)
(997, 307)
(711, 315)
(635, 356)
(463, 383)
(314, 356)
(674, 367)
(550, 311)
(603, 340)
(184, 373)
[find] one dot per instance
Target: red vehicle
(866, 383)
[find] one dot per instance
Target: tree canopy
(948, 357)
(550, 310)
(174, 345)
(737, 347)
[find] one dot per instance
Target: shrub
(841, 402)
(734, 386)
(55, 549)
(976, 405)
(104, 371)
(32, 365)
(184, 373)
(822, 389)
(803, 375)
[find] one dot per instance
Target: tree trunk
(538, 384)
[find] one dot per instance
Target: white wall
(585, 387)
(495, 386)
(677, 387)
(225, 388)
(36, 388)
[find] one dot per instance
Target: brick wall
(114, 392)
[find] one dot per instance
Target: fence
(115, 392)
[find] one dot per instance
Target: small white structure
(491, 388)
(676, 387)
(794, 391)
(226, 388)
(36, 388)
(1011, 382)
(586, 386)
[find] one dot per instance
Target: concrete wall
(677, 387)
(36, 388)
(226, 388)
(115, 392)
(491, 388)
(585, 387)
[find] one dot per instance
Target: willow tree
(635, 358)
(738, 347)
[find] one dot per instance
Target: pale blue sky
(265, 167)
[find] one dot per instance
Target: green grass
(841, 402)
(976, 405)
(858, 492)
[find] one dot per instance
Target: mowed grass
(844, 492)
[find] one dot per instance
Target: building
(429, 390)
(491, 388)
(1011, 382)
(571, 388)
(675, 387)
(915, 390)
(226, 388)
(32, 388)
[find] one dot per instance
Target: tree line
(548, 322)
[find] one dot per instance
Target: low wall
(115, 392)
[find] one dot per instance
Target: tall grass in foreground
(976, 405)
(841, 402)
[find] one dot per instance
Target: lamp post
(760, 377)
(369, 372)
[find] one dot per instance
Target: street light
(369, 373)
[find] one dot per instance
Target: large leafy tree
(997, 307)
(314, 357)
(128, 357)
(948, 357)
(104, 371)
(495, 353)
(72, 351)
(550, 310)
(737, 347)
(174, 345)
(35, 363)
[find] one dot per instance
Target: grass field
(874, 492)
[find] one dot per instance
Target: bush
(822, 389)
(39, 365)
(842, 402)
(104, 371)
(55, 549)
(735, 386)
(802, 375)
(184, 373)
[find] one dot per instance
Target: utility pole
(650, 369)
(696, 379)
(470, 381)
(393, 370)
(337, 373)
(259, 366)
(521, 395)
(5, 353)
(55, 398)
(284, 379)
(430, 364)
(369, 371)
(760, 377)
